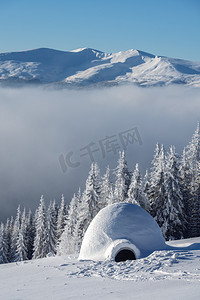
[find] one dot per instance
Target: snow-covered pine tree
(69, 237)
(123, 179)
(135, 192)
(3, 245)
(89, 205)
(51, 228)
(8, 235)
(110, 196)
(22, 250)
(92, 192)
(41, 238)
(77, 234)
(146, 184)
(146, 187)
(153, 180)
(62, 212)
(193, 160)
(174, 223)
(30, 234)
(106, 190)
(15, 234)
(195, 206)
(157, 192)
(185, 175)
(155, 163)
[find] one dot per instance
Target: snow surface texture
(121, 226)
(169, 274)
(85, 66)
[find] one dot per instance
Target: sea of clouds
(39, 126)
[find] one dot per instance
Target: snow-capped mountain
(85, 66)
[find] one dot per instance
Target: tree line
(170, 192)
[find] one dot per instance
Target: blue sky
(170, 27)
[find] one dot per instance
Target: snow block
(121, 226)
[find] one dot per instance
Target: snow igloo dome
(120, 232)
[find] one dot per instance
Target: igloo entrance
(124, 255)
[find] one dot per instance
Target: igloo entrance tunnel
(121, 231)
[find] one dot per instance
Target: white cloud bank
(36, 126)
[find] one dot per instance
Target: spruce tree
(89, 205)
(8, 235)
(69, 237)
(15, 234)
(146, 184)
(41, 238)
(185, 175)
(61, 218)
(30, 233)
(175, 221)
(91, 195)
(135, 192)
(21, 245)
(123, 179)
(51, 228)
(106, 190)
(3, 245)
(146, 187)
(195, 203)
(157, 192)
(193, 161)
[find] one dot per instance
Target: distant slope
(84, 67)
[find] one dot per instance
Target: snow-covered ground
(87, 66)
(169, 274)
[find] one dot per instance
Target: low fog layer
(39, 126)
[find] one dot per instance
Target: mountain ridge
(87, 67)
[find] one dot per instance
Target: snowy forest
(170, 192)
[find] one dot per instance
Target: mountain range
(88, 67)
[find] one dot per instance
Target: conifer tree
(194, 215)
(157, 192)
(175, 221)
(78, 229)
(51, 228)
(30, 233)
(69, 237)
(91, 195)
(154, 180)
(8, 234)
(185, 175)
(106, 190)
(15, 234)
(146, 184)
(41, 238)
(62, 212)
(135, 192)
(110, 197)
(146, 187)
(123, 179)
(21, 244)
(89, 205)
(3, 245)
(193, 205)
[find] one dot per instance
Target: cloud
(37, 126)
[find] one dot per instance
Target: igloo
(120, 232)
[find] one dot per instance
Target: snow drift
(121, 226)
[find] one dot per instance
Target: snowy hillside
(83, 67)
(169, 274)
